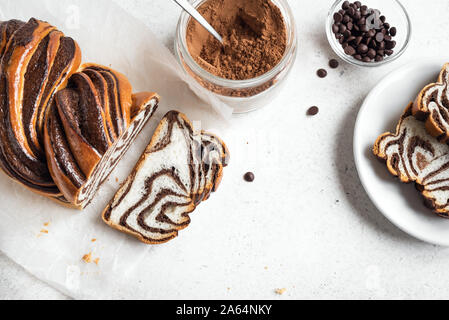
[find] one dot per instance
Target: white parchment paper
(109, 36)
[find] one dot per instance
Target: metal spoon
(198, 17)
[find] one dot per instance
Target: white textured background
(309, 225)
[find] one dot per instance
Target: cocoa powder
(254, 33)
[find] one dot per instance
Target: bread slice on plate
(414, 155)
(432, 106)
(90, 126)
(179, 169)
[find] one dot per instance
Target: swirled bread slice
(413, 155)
(179, 169)
(433, 183)
(91, 125)
(36, 61)
(432, 106)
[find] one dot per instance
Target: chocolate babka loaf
(36, 61)
(432, 106)
(179, 169)
(91, 125)
(413, 155)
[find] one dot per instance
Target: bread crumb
(44, 231)
(94, 240)
(96, 261)
(87, 258)
(46, 224)
(266, 268)
(116, 180)
(280, 291)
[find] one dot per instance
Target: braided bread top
(36, 61)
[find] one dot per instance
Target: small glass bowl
(242, 95)
(396, 15)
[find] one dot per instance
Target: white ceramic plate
(380, 112)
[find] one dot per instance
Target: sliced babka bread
(413, 155)
(36, 61)
(434, 185)
(432, 106)
(179, 169)
(91, 125)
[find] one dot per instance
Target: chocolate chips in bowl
(368, 33)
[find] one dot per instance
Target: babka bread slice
(36, 61)
(433, 183)
(179, 169)
(91, 125)
(432, 106)
(413, 155)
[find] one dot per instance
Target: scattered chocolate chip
(363, 37)
(322, 73)
(313, 111)
(249, 177)
(333, 63)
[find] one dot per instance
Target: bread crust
(24, 45)
(421, 111)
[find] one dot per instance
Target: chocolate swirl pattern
(434, 185)
(91, 125)
(432, 106)
(36, 61)
(413, 155)
(179, 170)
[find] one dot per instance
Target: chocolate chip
(333, 63)
(366, 59)
(249, 177)
(313, 111)
(379, 58)
(350, 51)
(393, 31)
(362, 48)
(390, 45)
(371, 33)
(335, 28)
(322, 73)
(371, 53)
(338, 17)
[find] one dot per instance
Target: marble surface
(310, 225)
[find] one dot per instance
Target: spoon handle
(185, 4)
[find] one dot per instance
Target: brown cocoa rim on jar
(229, 92)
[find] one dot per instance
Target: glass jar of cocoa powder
(241, 91)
